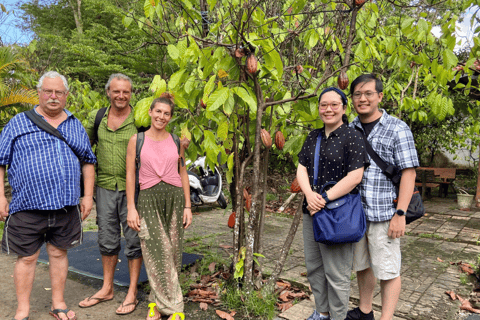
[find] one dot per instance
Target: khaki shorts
(378, 251)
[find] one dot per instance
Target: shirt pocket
(143, 233)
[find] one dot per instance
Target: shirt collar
(69, 114)
(337, 131)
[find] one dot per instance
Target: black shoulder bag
(416, 208)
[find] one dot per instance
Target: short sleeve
(6, 143)
(305, 154)
(90, 124)
(405, 153)
(356, 152)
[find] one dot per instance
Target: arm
(407, 184)
(133, 219)
(346, 184)
(86, 206)
(187, 211)
(314, 200)
(3, 199)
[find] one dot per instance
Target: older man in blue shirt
(44, 173)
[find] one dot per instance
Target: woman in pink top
(163, 209)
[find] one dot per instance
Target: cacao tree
(244, 70)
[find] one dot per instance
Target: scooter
(205, 185)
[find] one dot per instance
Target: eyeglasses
(58, 94)
(367, 94)
(333, 106)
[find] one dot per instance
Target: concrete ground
(444, 235)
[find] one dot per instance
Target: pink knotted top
(159, 162)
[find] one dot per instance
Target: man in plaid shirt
(377, 255)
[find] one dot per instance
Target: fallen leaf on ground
(203, 306)
(224, 315)
(233, 313)
(465, 267)
(452, 295)
(303, 274)
(284, 306)
(466, 305)
(284, 296)
(224, 246)
(211, 267)
(439, 260)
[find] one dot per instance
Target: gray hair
(119, 76)
(52, 75)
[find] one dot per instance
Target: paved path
(445, 233)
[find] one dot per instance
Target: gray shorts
(378, 251)
(111, 220)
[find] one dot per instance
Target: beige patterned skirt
(161, 236)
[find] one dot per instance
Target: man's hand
(3, 208)
(86, 206)
(396, 228)
(133, 220)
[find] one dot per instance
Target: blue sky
(8, 32)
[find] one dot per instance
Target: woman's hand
(133, 220)
(315, 202)
(187, 217)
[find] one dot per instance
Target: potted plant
(466, 187)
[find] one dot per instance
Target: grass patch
(253, 305)
(271, 197)
(430, 235)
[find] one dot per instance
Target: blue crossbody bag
(341, 220)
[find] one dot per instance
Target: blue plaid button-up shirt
(43, 171)
(392, 140)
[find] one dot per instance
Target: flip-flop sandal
(126, 305)
(55, 312)
(99, 300)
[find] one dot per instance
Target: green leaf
(217, 99)
(181, 102)
(158, 86)
(422, 26)
(449, 59)
(230, 161)
(208, 88)
(245, 96)
(175, 80)
(222, 131)
(173, 52)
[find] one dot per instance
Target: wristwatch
(400, 212)
(325, 197)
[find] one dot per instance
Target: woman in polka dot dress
(342, 159)
(163, 209)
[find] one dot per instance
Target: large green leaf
(217, 99)
(245, 96)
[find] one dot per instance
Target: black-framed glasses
(368, 94)
(58, 93)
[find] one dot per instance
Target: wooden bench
(428, 178)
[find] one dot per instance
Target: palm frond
(19, 95)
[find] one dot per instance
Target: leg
(130, 302)
(366, 285)
(23, 275)
(58, 262)
(390, 290)
(315, 267)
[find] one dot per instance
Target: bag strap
(177, 142)
(98, 119)
(317, 159)
(47, 127)
(389, 170)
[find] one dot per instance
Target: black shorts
(26, 231)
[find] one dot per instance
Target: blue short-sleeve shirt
(43, 171)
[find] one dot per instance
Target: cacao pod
(231, 220)
(204, 106)
(295, 187)
(245, 193)
(248, 202)
(359, 2)
(343, 80)
(252, 64)
(279, 140)
(266, 139)
(239, 53)
(412, 64)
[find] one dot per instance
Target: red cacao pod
(231, 220)
(239, 53)
(279, 140)
(252, 64)
(245, 193)
(266, 139)
(299, 69)
(359, 2)
(295, 187)
(204, 106)
(343, 80)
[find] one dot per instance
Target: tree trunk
(270, 286)
(77, 15)
(477, 196)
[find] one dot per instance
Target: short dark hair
(368, 77)
(165, 98)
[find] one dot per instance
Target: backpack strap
(44, 125)
(138, 150)
(98, 119)
(177, 142)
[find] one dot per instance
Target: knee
(28, 260)
(55, 253)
